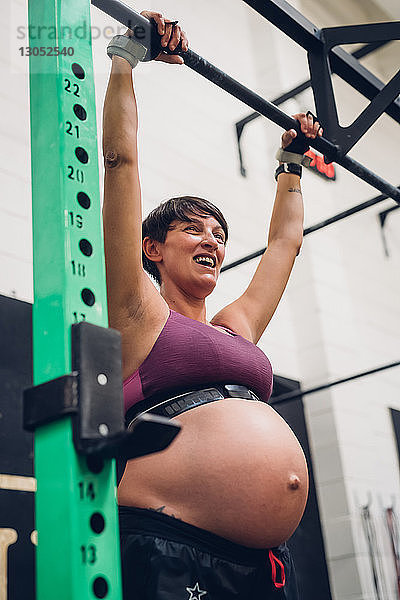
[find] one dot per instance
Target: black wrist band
(288, 168)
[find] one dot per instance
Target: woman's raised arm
(250, 314)
(135, 307)
(129, 288)
(122, 213)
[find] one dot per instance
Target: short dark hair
(157, 223)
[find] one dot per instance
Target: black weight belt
(181, 402)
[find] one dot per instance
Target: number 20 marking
(78, 174)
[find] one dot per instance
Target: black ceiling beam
(151, 39)
(240, 125)
(360, 53)
(319, 388)
(334, 219)
(289, 20)
(368, 48)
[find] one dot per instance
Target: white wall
(15, 211)
(350, 302)
(340, 314)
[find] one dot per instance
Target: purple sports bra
(188, 353)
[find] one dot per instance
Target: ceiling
(391, 7)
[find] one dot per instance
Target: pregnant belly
(236, 469)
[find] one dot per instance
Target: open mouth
(205, 261)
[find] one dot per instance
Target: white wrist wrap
(290, 157)
(127, 48)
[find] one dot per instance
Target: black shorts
(164, 558)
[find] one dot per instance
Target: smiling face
(192, 255)
(158, 223)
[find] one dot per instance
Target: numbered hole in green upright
(97, 522)
(100, 587)
(78, 71)
(95, 464)
(83, 200)
(88, 297)
(80, 112)
(81, 155)
(86, 247)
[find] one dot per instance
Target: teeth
(205, 260)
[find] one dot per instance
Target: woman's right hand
(308, 126)
(171, 36)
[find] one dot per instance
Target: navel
(294, 482)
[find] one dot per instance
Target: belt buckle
(239, 391)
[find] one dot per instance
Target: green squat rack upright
(76, 517)
(75, 407)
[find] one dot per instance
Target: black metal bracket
(302, 31)
(240, 125)
(321, 79)
(382, 216)
(92, 396)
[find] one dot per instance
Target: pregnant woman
(207, 517)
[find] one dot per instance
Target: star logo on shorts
(195, 592)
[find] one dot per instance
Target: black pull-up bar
(148, 36)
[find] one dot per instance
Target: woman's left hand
(308, 126)
(171, 36)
